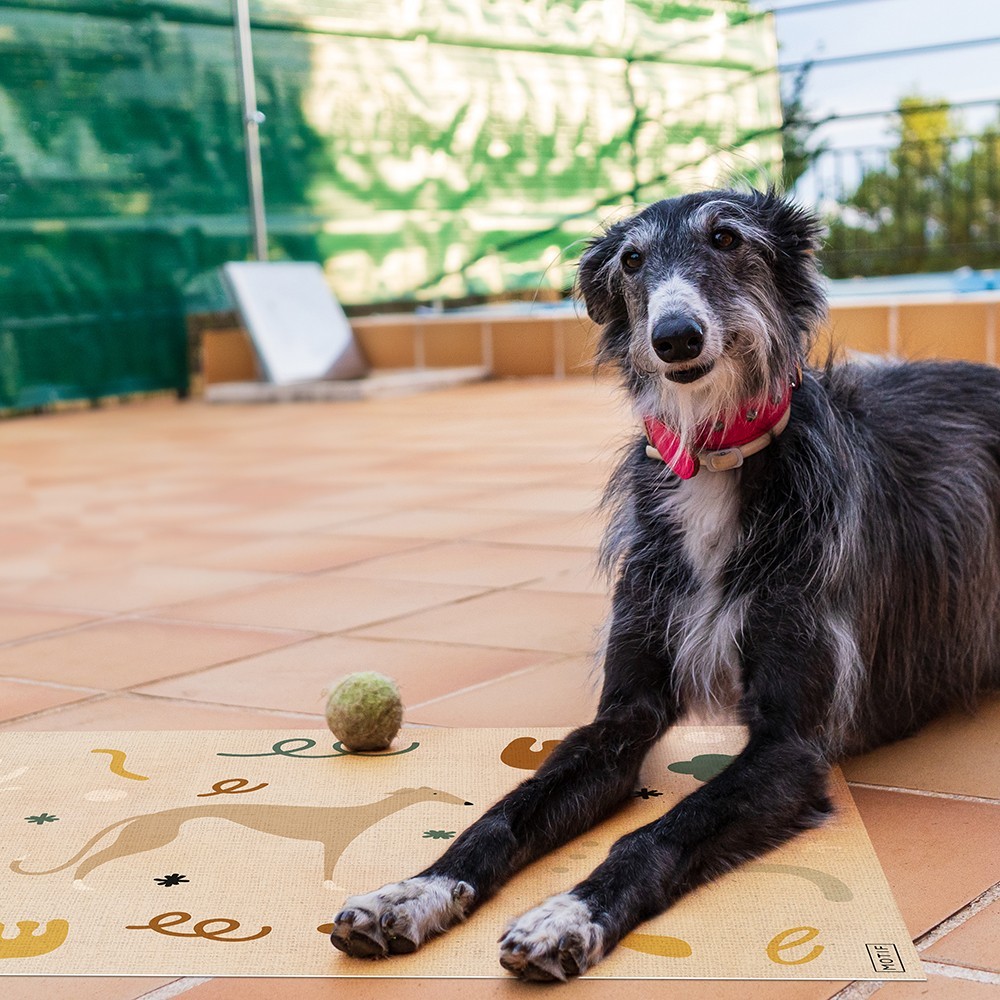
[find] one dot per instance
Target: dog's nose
(677, 338)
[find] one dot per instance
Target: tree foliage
(932, 202)
(798, 126)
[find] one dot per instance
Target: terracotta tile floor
(169, 565)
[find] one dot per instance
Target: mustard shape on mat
(28, 944)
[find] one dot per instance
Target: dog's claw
(355, 934)
(399, 945)
(571, 955)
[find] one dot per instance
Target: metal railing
(917, 207)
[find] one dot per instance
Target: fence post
(252, 119)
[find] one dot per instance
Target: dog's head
(707, 300)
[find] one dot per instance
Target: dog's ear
(794, 229)
(597, 276)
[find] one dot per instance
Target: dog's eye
(724, 239)
(632, 260)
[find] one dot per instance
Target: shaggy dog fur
(838, 588)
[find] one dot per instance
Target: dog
(817, 547)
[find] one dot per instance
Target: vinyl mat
(228, 853)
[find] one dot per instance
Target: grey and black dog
(818, 548)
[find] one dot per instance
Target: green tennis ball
(364, 710)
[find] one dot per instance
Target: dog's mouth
(685, 376)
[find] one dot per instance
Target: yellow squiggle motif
(117, 765)
(28, 944)
(657, 944)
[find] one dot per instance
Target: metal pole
(252, 119)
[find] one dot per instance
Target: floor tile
(132, 712)
(18, 698)
(19, 623)
(939, 988)
(287, 520)
(941, 757)
(294, 678)
(550, 499)
(321, 603)
(974, 944)
(555, 694)
(937, 853)
(77, 987)
(306, 553)
(428, 522)
(472, 563)
(512, 619)
(583, 578)
(505, 989)
(130, 590)
(420, 491)
(579, 531)
(122, 654)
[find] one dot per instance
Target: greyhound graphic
(332, 826)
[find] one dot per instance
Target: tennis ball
(364, 710)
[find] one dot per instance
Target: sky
(877, 25)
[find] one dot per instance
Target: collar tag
(722, 461)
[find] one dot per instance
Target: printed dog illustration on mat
(332, 826)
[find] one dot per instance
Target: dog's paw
(556, 940)
(398, 918)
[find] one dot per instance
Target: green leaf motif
(41, 819)
(704, 767)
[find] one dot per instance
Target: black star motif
(174, 879)
(646, 793)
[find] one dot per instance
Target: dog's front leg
(585, 778)
(774, 788)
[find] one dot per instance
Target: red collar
(721, 444)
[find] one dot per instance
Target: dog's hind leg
(774, 788)
(585, 778)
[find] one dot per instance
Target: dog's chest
(707, 512)
(705, 624)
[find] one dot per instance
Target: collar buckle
(722, 460)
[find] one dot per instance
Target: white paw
(556, 940)
(398, 918)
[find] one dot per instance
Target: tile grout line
(174, 989)
(280, 713)
(860, 990)
(44, 713)
(961, 972)
(863, 989)
(958, 918)
(42, 682)
(954, 796)
(99, 617)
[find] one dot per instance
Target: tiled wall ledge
(962, 326)
(562, 342)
